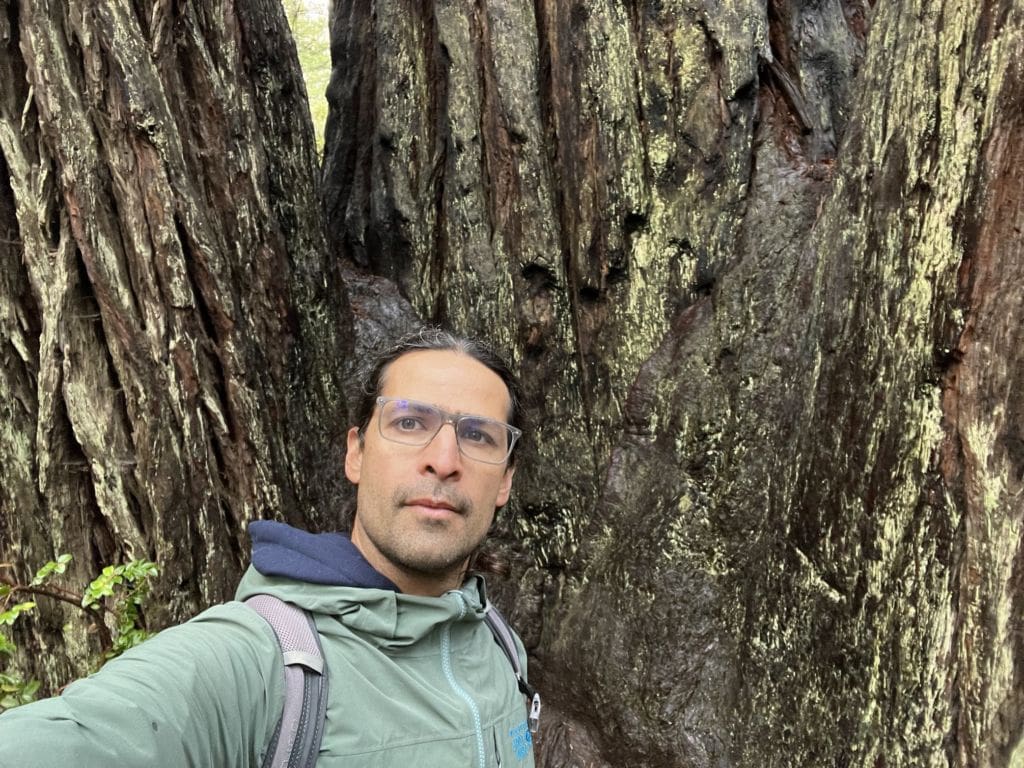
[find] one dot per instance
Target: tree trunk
(760, 267)
(171, 325)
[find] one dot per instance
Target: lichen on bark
(764, 495)
(173, 313)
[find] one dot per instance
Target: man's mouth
(439, 504)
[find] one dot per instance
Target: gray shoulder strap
(503, 637)
(296, 741)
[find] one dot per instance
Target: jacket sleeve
(206, 693)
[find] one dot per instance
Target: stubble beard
(429, 548)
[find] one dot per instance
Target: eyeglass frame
(447, 418)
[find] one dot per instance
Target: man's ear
(505, 489)
(354, 456)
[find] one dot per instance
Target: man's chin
(431, 562)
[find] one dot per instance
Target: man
(415, 677)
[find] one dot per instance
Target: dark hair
(438, 339)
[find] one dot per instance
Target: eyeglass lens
(412, 423)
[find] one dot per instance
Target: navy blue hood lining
(317, 558)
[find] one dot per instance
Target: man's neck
(408, 581)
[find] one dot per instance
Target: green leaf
(14, 691)
(9, 616)
(52, 567)
(103, 585)
(140, 570)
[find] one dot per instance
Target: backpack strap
(503, 637)
(296, 740)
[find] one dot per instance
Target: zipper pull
(535, 713)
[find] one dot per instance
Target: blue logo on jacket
(522, 740)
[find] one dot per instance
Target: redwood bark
(760, 266)
(171, 325)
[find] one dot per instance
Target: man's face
(421, 511)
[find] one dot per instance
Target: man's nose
(441, 456)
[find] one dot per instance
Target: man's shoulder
(229, 630)
(232, 622)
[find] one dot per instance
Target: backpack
(296, 739)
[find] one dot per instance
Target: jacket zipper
(446, 663)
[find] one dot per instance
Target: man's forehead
(448, 379)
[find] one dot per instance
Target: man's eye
(407, 424)
(479, 435)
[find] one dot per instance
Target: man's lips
(439, 504)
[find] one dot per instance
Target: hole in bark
(682, 246)
(703, 281)
(944, 358)
(746, 90)
(52, 223)
(617, 274)
(634, 222)
(539, 277)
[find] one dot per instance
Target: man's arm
(205, 693)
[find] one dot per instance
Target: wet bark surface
(170, 321)
(759, 266)
(760, 269)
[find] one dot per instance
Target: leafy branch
(132, 581)
(118, 591)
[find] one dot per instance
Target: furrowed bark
(759, 266)
(173, 327)
(760, 269)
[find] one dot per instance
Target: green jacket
(414, 682)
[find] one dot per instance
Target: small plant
(14, 689)
(127, 585)
(119, 590)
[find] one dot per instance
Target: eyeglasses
(413, 423)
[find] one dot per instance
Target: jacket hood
(326, 574)
(317, 558)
